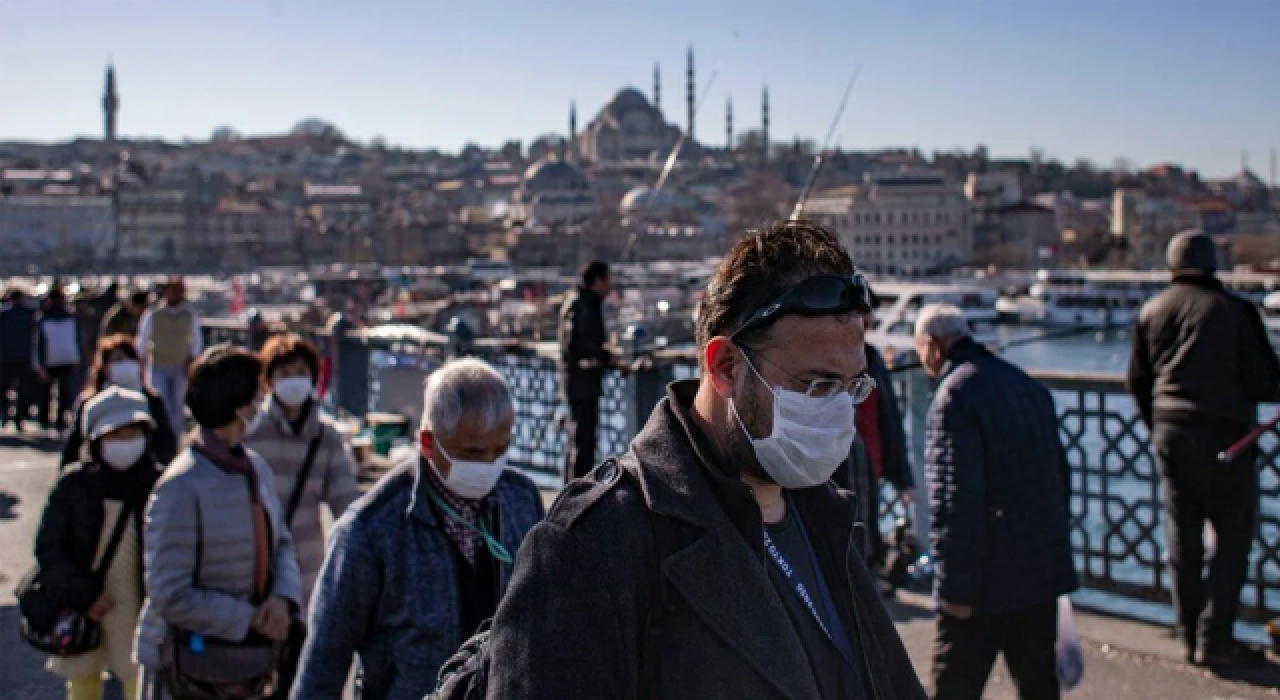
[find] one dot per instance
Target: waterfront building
(900, 223)
(60, 230)
(628, 128)
(553, 193)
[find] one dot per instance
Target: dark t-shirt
(837, 678)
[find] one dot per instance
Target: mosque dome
(554, 174)
(643, 198)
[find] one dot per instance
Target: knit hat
(114, 408)
(1192, 251)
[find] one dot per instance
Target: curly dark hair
(224, 379)
(760, 268)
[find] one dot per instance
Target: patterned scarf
(464, 537)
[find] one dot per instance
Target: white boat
(893, 331)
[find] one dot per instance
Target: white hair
(942, 322)
(466, 386)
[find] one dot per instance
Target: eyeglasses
(816, 296)
(860, 387)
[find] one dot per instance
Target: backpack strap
(304, 475)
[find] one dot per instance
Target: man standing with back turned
(998, 499)
(716, 559)
(583, 362)
(1201, 364)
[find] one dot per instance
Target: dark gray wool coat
(597, 609)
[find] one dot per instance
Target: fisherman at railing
(1201, 365)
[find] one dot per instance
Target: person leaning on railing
(1201, 364)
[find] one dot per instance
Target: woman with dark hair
(311, 463)
(222, 572)
(88, 504)
(116, 364)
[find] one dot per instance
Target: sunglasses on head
(816, 296)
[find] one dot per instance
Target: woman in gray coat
(220, 562)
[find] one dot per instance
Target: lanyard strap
(789, 573)
(496, 549)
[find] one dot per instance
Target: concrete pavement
(1125, 660)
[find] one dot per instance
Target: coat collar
(964, 350)
(421, 507)
(279, 420)
(680, 478)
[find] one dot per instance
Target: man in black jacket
(998, 497)
(1201, 364)
(715, 559)
(583, 362)
(17, 344)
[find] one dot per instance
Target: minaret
(764, 123)
(573, 129)
(110, 106)
(657, 87)
(728, 125)
(691, 96)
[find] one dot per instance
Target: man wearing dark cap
(1201, 365)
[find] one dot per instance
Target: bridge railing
(1118, 535)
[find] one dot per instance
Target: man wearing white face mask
(715, 559)
(420, 561)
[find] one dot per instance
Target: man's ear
(721, 358)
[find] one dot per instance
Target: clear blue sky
(1190, 81)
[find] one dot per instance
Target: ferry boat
(893, 330)
(1105, 298)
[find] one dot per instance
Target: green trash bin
(384, 428)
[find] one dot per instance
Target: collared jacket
(596, 609)
(198, 505)
(17, 332)
(1201, 353)
(999, 485)
(388, 590)
(583, 356)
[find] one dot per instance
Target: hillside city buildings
(313, 196)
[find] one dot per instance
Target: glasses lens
(824, 388)
(860, 388)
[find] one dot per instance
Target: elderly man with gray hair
(998, 497)
(416, 565)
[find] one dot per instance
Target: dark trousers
(16, 375)
(584, 419)
(61, 379)
(1198, 488)
(965, 651)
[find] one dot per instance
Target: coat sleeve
(74, 584)
(344, 603)
(1259, 358)
(171, 537)
(570, 352)
(572, 618)
(955, 457)
(340, 486)
(164, 443)
(1141, 379)
(75, 437)
(286, 575)
(893, 435)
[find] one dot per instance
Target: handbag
(204, 668)
(48, 624)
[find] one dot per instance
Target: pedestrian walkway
(1125, 660)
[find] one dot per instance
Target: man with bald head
(715, 559)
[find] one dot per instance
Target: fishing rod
(1017, 343)
(667, 168)
(820, 158)
(1231, 453)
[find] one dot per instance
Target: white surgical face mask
(472, 480)
(811, 436)
(292, 391)
(126, 374)
(122, 454)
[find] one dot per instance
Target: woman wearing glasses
(415, 567)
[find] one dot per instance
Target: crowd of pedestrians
(733, 550)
